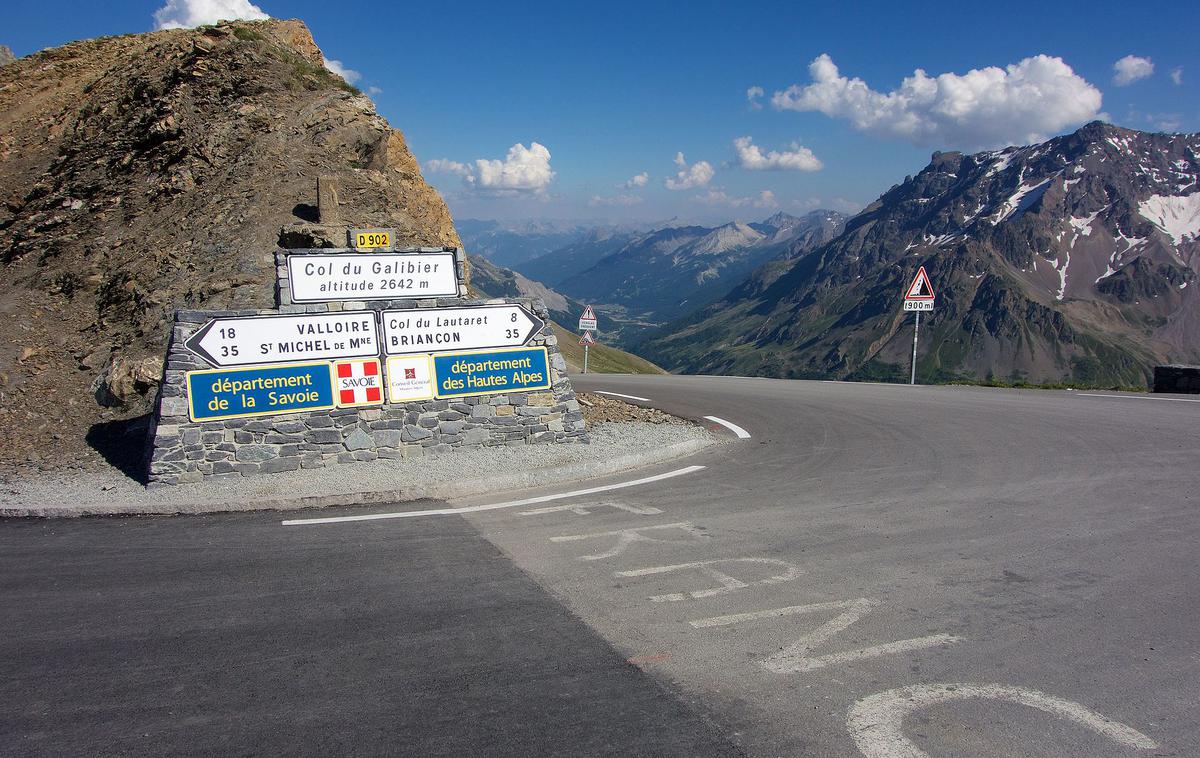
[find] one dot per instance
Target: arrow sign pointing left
(249, 340)
(425, 330)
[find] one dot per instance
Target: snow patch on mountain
(1178, 216)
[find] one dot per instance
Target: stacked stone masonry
(182, 451)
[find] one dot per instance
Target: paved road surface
(877, 568)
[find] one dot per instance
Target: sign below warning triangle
(920, 289)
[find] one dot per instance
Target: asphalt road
(876, 569)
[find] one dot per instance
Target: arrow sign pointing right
(425, 330)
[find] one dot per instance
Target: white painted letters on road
(727, 583)
(585, 509)
(876, 722)
(626, 537)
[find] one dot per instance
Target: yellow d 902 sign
(372, 239)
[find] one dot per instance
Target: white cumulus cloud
(640, 180)
(752, 96)
(338, 68)
(1177, 75)
(185, 14)
(444, 166)
(715, 197)
(698, 174)
(616, 200)
(1130, 69)
(799, 158)
(1022, 102)
(523, 170)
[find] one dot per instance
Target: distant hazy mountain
(666, 272)
(1074, 259)
(510, 243)
(490, 280)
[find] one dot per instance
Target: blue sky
(614, 91)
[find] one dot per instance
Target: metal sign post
(587, 340)
(587, 323)
(918, 297)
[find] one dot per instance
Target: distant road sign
(249, 340)
(492, 372)
(920, 289)
(587, 339)
(428, 330)
(324, 277)
(372, 239)
(587, 321)
(259, 391)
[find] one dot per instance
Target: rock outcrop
(144, 173)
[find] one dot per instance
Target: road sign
(587, 322)
(491, 373)
(358, 383)
(920, 289)
(259, 391)
(587, 339)
(372, 239)
(409, 377)
(918, 305)
(250, 340)
(426, 330)
(324, 277)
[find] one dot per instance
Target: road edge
(528, 479)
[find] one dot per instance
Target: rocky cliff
(144, 173)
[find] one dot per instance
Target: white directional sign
(919, 296)
(248, 340)
(587, 321)
(325, 277)
(427, 330)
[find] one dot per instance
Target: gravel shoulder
(615, 447)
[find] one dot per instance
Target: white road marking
(584, 509)
(618, 394)
(728, 583)
(798, 657)
(495, 506)
(739, 431)
(876, 722)
(626, 537)
(1139, 397)
(791, 610)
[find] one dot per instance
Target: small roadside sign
(410, 377)
(426, 330)
(372, 239)
(587, 339)
(249, 340)
(358, 383)
(493, 372)
(919, 296)
(587, 321)
(259, 391)
(330, 277)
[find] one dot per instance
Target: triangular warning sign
(920, 289)
(587, 338)
(588, 314)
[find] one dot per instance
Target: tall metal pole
(916, 330)
(585, 358)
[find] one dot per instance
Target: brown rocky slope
(145, 173)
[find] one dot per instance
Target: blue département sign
(259, 391)
(491, 372)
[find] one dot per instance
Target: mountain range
(1069, 260)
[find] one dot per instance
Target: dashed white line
(494, 506)
(1138, 397)
(618, 394)
(739, 431)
